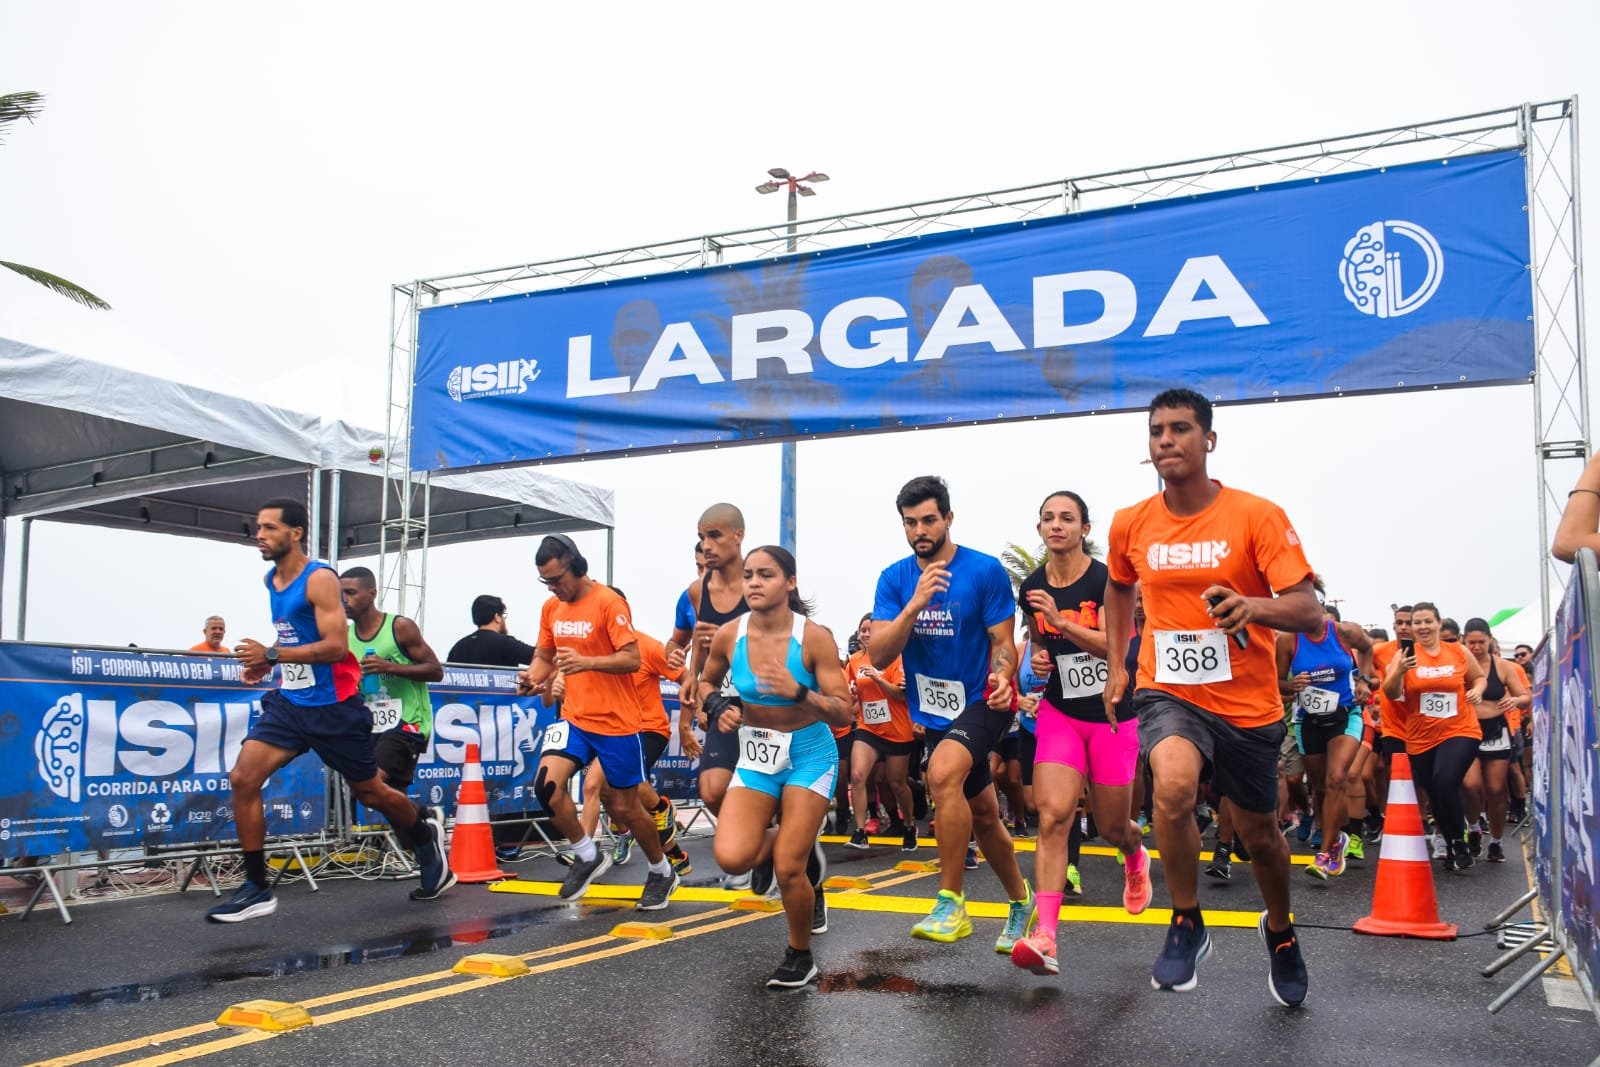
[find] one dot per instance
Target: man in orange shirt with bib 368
(1208, 560)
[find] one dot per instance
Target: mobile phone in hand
(1408, 647)
(1241, 638)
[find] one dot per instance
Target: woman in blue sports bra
(786, 669)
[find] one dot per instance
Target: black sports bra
(706, 612)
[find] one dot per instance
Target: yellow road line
(377, 1007)
(605, 894)
(127, 1046)
(984, 909)
(1031, 845)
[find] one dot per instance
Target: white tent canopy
(1523, 628)
(86, 443)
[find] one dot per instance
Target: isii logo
(1377, 261)
(491, 379)
(59, 748)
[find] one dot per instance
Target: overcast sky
(244, 183)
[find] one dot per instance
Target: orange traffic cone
(472, 844)
(1403, 901)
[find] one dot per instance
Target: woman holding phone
(786, 669)
(1437, 688)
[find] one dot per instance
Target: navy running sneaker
(249, 901)
(1287, 979)
(1188, 945)
(436, 873)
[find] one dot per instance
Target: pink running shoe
(1136, 884)
(872, 825)
(1036, 953)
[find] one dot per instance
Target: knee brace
(544, 790)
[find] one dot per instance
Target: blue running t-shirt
(946, 658)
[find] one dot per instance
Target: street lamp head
(768, 187)
(779, 173)
(815, 176)
(806, 190)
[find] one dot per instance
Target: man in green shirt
(396, 667)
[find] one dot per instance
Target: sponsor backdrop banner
(1576, 766)
(1566, 772)
(121, 749)
(1405, 278)
(116, 750)
(479, 706)
(1546, 697)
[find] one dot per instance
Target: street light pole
(787, 464)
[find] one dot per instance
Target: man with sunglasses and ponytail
(586, 636)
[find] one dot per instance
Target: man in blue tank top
(317, 705)
(948, 613)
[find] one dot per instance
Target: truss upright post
(1561, 379)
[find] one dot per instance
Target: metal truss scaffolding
(1547, 133)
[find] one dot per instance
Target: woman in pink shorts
(1062, 602)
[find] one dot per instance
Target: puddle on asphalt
(414, 942)
(883, 971)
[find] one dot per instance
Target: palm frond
(56, 284)
(20, 105)
(1019, 562)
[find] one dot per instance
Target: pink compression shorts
(1090, 748)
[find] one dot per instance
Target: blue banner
(1410, 277)
(116, 750)
(1546, 696)
(1578, 787)
(479, 706)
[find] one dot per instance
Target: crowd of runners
(1195, 682)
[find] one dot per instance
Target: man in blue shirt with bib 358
(949, 614)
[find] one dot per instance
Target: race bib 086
(1081, 674)
(1192, 657)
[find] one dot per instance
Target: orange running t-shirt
(876, 711)
(1435, 703)
(1240, 541)
(203, 647)
(1514, 716)
(596, 624)
(1391, 716)
(652, 668)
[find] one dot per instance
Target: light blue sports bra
(744, 680)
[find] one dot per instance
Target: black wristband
(800, 697)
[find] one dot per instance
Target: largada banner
(1405, 278)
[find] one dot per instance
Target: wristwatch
(271, 654)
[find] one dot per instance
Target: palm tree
(25, 105)
(1019, 562)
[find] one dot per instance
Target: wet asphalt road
(373, 969)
